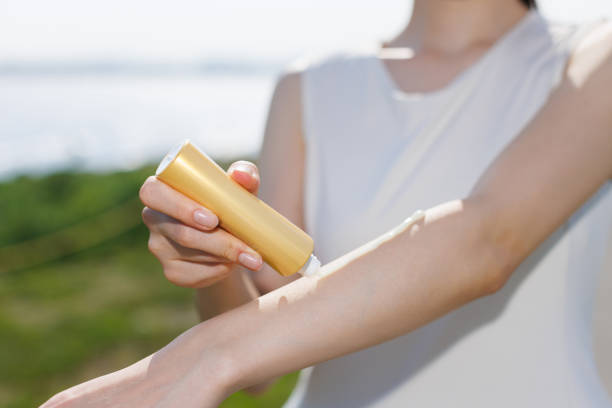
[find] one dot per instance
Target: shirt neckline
(400, 94)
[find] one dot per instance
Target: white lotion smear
(317, 271)
(311, 266)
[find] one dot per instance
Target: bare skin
(528, 191)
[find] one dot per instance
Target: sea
(106, 116)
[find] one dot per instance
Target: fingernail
(205, 219)
(250, 261)
(245, 168)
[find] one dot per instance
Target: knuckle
(222, 270)
(232, 249)
(183, 236)
(154, 244)
(147, 216)
(181, 208)
(146, 190)
(185, 211)
(172, 274)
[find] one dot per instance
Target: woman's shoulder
(568, 35)
(591, 54)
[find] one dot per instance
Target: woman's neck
(452, 26)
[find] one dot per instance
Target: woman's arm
(463, 250)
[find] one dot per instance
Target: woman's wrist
(216, 355)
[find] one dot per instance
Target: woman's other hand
(190, 372)
(185, 236)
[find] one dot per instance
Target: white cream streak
(311, 266)
(314, 270)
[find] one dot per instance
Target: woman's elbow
(500, 254)
(496, 251)
(494, 281)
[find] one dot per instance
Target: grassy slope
(79, 293)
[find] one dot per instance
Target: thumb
(246, 174)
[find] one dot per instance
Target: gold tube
(283, 245)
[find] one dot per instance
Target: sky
(187, 29)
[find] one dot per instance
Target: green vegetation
(80, 295)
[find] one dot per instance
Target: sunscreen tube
(281, 244)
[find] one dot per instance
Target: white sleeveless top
(374, 154)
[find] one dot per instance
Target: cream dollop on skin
(311, 267)
(371, 245)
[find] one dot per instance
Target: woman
(495, 122)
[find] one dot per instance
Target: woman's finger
(159, 196)
(246, 174)
(216, 242)
(165, 250)
(197, 246)
(196, 275)
(152, 218)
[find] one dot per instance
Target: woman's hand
(185, 237)
(188, 373)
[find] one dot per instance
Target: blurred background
(92, 95)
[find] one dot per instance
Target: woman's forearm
(364, 299)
